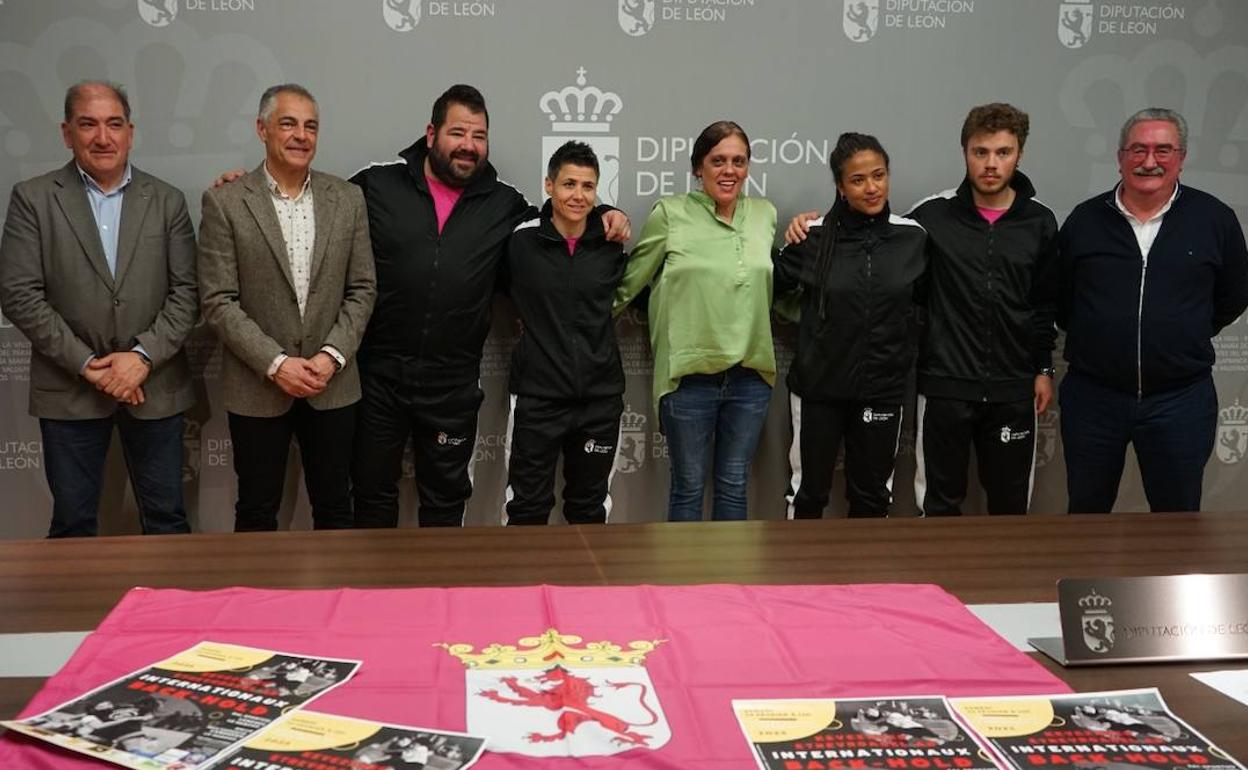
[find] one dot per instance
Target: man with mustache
(439, 220)
(1149, 272)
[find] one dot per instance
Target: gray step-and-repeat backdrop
(637, 79)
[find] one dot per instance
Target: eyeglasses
(1161, 152)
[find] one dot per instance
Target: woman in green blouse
(707, 257)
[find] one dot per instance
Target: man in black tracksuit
(985, 367)
(566, 378)
(439, 221)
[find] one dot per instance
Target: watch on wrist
(1047, 371)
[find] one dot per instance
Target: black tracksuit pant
(1004, 437)
(870, 433)
(587, 432)
(442, 425)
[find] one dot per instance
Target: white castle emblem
(584, 113)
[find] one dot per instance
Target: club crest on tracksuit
(553, 696)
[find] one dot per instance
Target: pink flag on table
(571, 677)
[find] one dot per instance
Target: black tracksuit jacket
(991, 296)
(568, 349)
(434, 289)
(857, 335)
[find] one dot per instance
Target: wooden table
(71, 585)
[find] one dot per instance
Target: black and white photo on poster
(882, 732)
(182, 712)
(1115, 730)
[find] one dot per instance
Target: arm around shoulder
(646, 258)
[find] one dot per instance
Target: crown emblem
(631, 420)
(1095, 601)
(552, 648)
(581, 108)
(1235, 414)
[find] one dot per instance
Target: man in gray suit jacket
(97, 268)
(286, 270)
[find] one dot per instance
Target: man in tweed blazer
(287, 283)
(97, 269)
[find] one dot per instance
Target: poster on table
(872, 733)
(1114, 730)
(310, 739)
(186, 710)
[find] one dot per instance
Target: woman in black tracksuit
(566, 379)
(858, 273)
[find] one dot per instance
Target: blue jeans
(73, 456)
(1172, 432)
(726, 410)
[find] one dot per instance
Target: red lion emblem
(569, 695)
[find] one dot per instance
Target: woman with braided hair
(858, 275)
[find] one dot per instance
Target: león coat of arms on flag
(553, 696)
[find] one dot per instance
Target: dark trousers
(1172, 433)
(442, 424)
(587, 432)
(1004, 437)
(261, 446)
(870, 432)
(74, 452)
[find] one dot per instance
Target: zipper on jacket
(577, 382)
(867, 306)
(987, 308)
(1139, 333)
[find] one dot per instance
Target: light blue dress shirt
(107, 209)
(106, 206)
